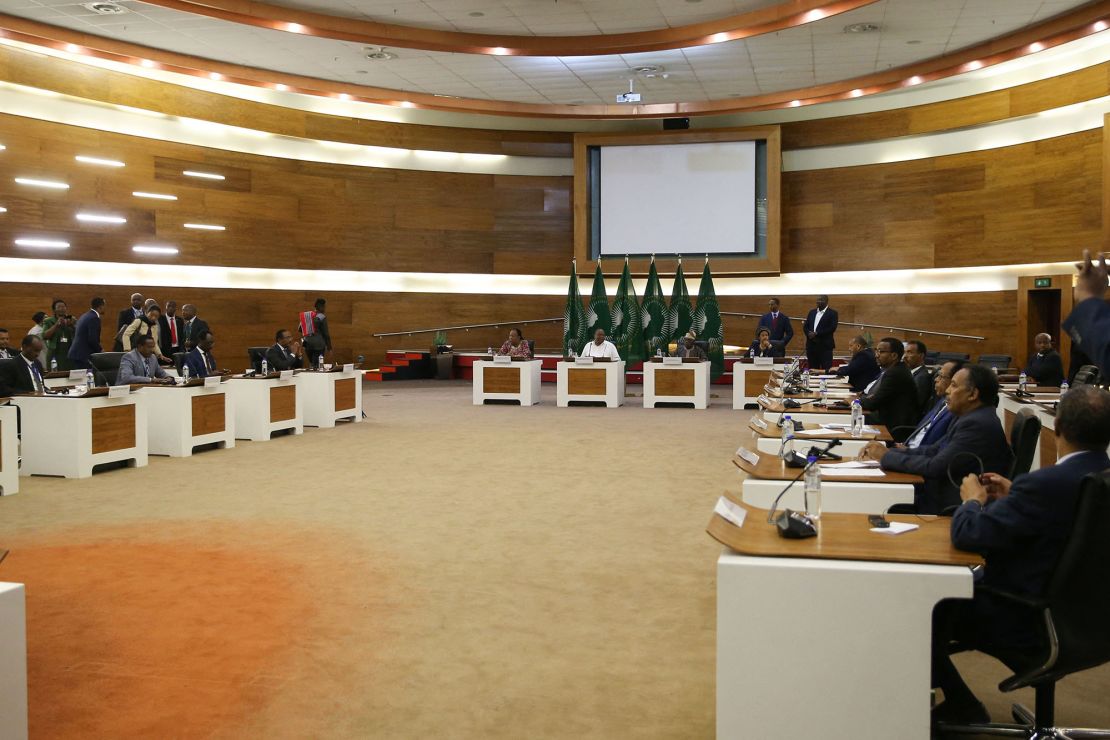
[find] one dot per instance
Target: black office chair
(1087, 375)
(931, 357)
(1075, 611)
(1024, 433)
(943, 357)
(106, 366)
(1002, 362)
(255, 355)
(179, 362)
(531, 347)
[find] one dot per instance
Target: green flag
(628, 328)
(679, 316)
(574, 318)
(654, 314)
(707, 322)
(597, 315)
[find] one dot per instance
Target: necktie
(173, 330)
(36, 379)
(189, 329)
(209, 363)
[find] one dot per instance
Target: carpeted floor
(440, 570)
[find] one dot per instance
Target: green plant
(440, 339)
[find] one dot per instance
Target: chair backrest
(531, 346)
(1000, 361)
(255, 355)
(943, 357)
(179, 362)
(1024, 433)
(1087, 375)
(931, 357)
(1079, 590)
(107, 365)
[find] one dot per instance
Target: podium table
(264, 405)
(13, 661)
(830, 636)
(330, 395)
(596, 381)
(518, 380)
(181, 417)
(687, 382)
(749, 378)
(68, 435)
(9, 451)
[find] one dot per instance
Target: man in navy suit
(1089, 322)
(820, 328)
(973, 399)
(199, 361)
(1021, 529)
(86, 335)
(863, 367)
(934, 424)
(23, 374)
(778, 324)
(891, 399)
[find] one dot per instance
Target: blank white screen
(678, 198)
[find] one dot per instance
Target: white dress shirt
(605, 349)
(818, 316)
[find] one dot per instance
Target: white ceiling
(812, 54)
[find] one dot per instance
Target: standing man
(126, 316)
(5, 350)
(140, 364)
(23, 374)
(915, 361)
(57, 331)
(283, 355)
(315, 337)
(1045, 365)
(171, 334)
(778, 324)
(820, 328)
(194, 328)
(86, 335)
(1089, 322)
(891, 399)
(200, 362)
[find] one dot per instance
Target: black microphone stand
(775, 504)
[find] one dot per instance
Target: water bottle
(53, 365)
(185, 373)
(813, 488)
(787, 436)
(320, 362)
(805, 379)
(857, 419)
(1022, 381)
(265, 367)
(658, 353)
(90, 382)
(574, 355)
(824, 393)
(1064, 388)
(489, 351)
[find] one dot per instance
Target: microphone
(790, 403)
(792, 524)
(794, 460)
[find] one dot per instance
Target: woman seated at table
(516, 346)
(764, 347)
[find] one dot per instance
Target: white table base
(614, 383)
(836, 496)
(9, 451)
(317, 391)
(13, 662)
(170, 420)
(251, 399)
(58, 434)
(529, 390)
(652, 371)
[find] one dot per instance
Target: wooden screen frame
(722, 265)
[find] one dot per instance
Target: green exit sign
(1042, 282)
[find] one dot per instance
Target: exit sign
(1042, 282)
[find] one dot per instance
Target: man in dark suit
(5, 345)
(23, 374)
(935, 422)
(283, 356)
(922, 378)
(199, 362)
(820, 329)
(778, 324)
(973, 400)
(1045, 365)
(891, 399)
(1089, 322)
(1021, 529)
(126, 316)
(862, 368)
(194, 328)
(171, 331)
(86, 335)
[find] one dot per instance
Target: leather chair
(1024, 433)
(1075, 613)
(179, 362)
(531, 346)
(106, 366)
(931, 357)
(1002, 362)
(943, 357)
(1087, 375)
(255, 355)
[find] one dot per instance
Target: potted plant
(443, 356)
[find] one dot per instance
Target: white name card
(763, 399)
(502, 359)
(349, 367)
(286, 375)
(212, 381)
(747, 455)
(731, 513)
(759, 422)
(672, 360)
(119, 391)
(77, 376)
(763, 361)
(583, 360)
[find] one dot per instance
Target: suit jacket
(1048, 369)
(893, 401)
(194, 332)
(86, 337)
(781, 329)
(1089, 327)
(134, 368)
(166, 345)
(15, 377)
(194, 361)
(926, 393)
(978, 432)
(1022, 537)
(825, 330)
(941, 419)
(775, 350)
(861, 369)
(279, 358)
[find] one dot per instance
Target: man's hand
(997, 486)
(972, 490)
(873, 451)
(165, 381)
(1092, 277)
(811, 334)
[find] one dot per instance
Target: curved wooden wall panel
(1015, 205)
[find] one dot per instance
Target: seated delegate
(891, 399)
(764, 347)
(688, 348)
(22, 373)
(199, 361)
(140, 365)
(934, 424)
(974, 443)
(1021, 529)
(862, 368)
(1045, 365)
(283, 355)
(515, 345)
(601, 347)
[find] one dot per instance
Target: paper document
(731, 512)
(853, 464)
(895, 528)
(821, 433)
(851, 472)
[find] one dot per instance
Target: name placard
(349, 367)
(119, 391)
(502, 359)
(747, 455)
(583, 360)
(672, 360)
(759, 422)
(763, 361)
(212, 381)
(77, 376)
(763, 399)
(731, 513)
(286, 375)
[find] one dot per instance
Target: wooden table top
(773, 432)
(771, 467)
(775, 406)
(844, 537)
(3, 554)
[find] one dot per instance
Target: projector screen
(677, 199)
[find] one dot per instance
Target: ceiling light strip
(99, 161)
(37, 183)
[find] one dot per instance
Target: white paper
(747, 455)
(349, 367)
(763, 361)
(821, 433)
(77, 375)
(759, 422)
(286, 375)
(502, 359)
(212, 381)
(853, 464)
(672, 360)
(583, 360)
(119, 391)
(853, 472)
(895, 528)
(731, 512)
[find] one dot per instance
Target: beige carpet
(440, 570)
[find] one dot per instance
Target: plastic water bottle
(185, 373)
(813, 488)
(90, 381)
(1022, 381)
(320, 362)
(489, 350)
(53, 364)
(574, 355)
(857, 419)
(1064, 388)
(658, 353)
(265, 367)
(787, 436)
(824, 393)
(805, 379)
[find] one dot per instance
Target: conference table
(1041, 405)
(507, 379)
(265, 404)
(829, 637)
(330, 395)
(13, 660)
(182, 417)
(676, 380)
(810, 413)
(750, 376)
(768, 436)
(66, 435)
(9, 449)
(585, 379)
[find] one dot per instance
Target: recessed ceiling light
(856, 93)
(1036, 46)
(861, 28)
(148, 63)
(476, 14)
(73, 48)
(98, 160)
(1101, 26)
(294, 28)
(280, 87)
(379, 54)
(151, 249)
(3, 209)
(101, 219)
(43, 243)
(156, 196)
(344, 96)
(2, 147)
(203, 175)
(103, 8)
(42, 183)
(205, 227)
(215, 76)
(795, 103)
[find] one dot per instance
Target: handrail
(468, 327)
(919, 332)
